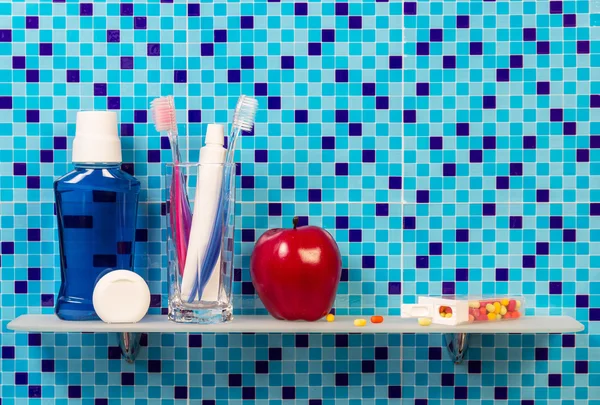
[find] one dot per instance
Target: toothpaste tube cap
(215, 135)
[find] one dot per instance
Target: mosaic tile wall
(449, 146)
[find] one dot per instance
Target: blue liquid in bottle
(97, 210)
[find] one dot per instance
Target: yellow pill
(491, 316)
(497, 307)
(504, 302)
(424, 321)
(474, 304)
(490, 308)
(518, 304)
(498, 317)
(503, 310)
(360, 322)
(330, 318)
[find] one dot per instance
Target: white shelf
(267, 324)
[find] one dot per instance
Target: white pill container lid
(121, 296)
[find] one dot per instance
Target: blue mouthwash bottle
(96, 207)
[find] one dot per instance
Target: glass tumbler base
(201, 316)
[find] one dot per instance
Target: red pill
(512, 304)
(377, 319)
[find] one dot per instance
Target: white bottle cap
(215, 135)
(121, 296)
(96, 138)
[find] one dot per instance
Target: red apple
(296, 272)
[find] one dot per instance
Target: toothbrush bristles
(245, 112)
(163, 114)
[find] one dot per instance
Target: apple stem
(295, 222)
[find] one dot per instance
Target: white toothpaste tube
(206, 204)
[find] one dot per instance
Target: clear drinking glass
(200, 283)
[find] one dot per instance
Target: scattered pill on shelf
(330, 317)
(360, 322)
(424, 321)
(376, 319)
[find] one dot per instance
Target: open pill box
(455, 311)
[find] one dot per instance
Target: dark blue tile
(435, 248)
(501, 274)
(581, 367)
(410, 8)
(301, 8)
(554, 380)
(275, 209)
(435, 353)
(541, 354)
(368, 366)
(235, 380)
(556, 7)
(462, 274)
(301, 341)
(180, 392)
(220, 36)
(261, 367)
(328, 35)
(288, 392)
(582, 301)
(462, 21)
(501, 393)
(74, 391)
(394, 288)
(447, 379)
(394, 391)
(275, 353)
(341, 379)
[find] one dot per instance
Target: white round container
(121, 296)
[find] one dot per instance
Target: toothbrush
(180, 217)
(243, 120)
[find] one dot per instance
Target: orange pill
(516, 314)
(482, 310)
(376, 319)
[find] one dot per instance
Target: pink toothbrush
(180, 216)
